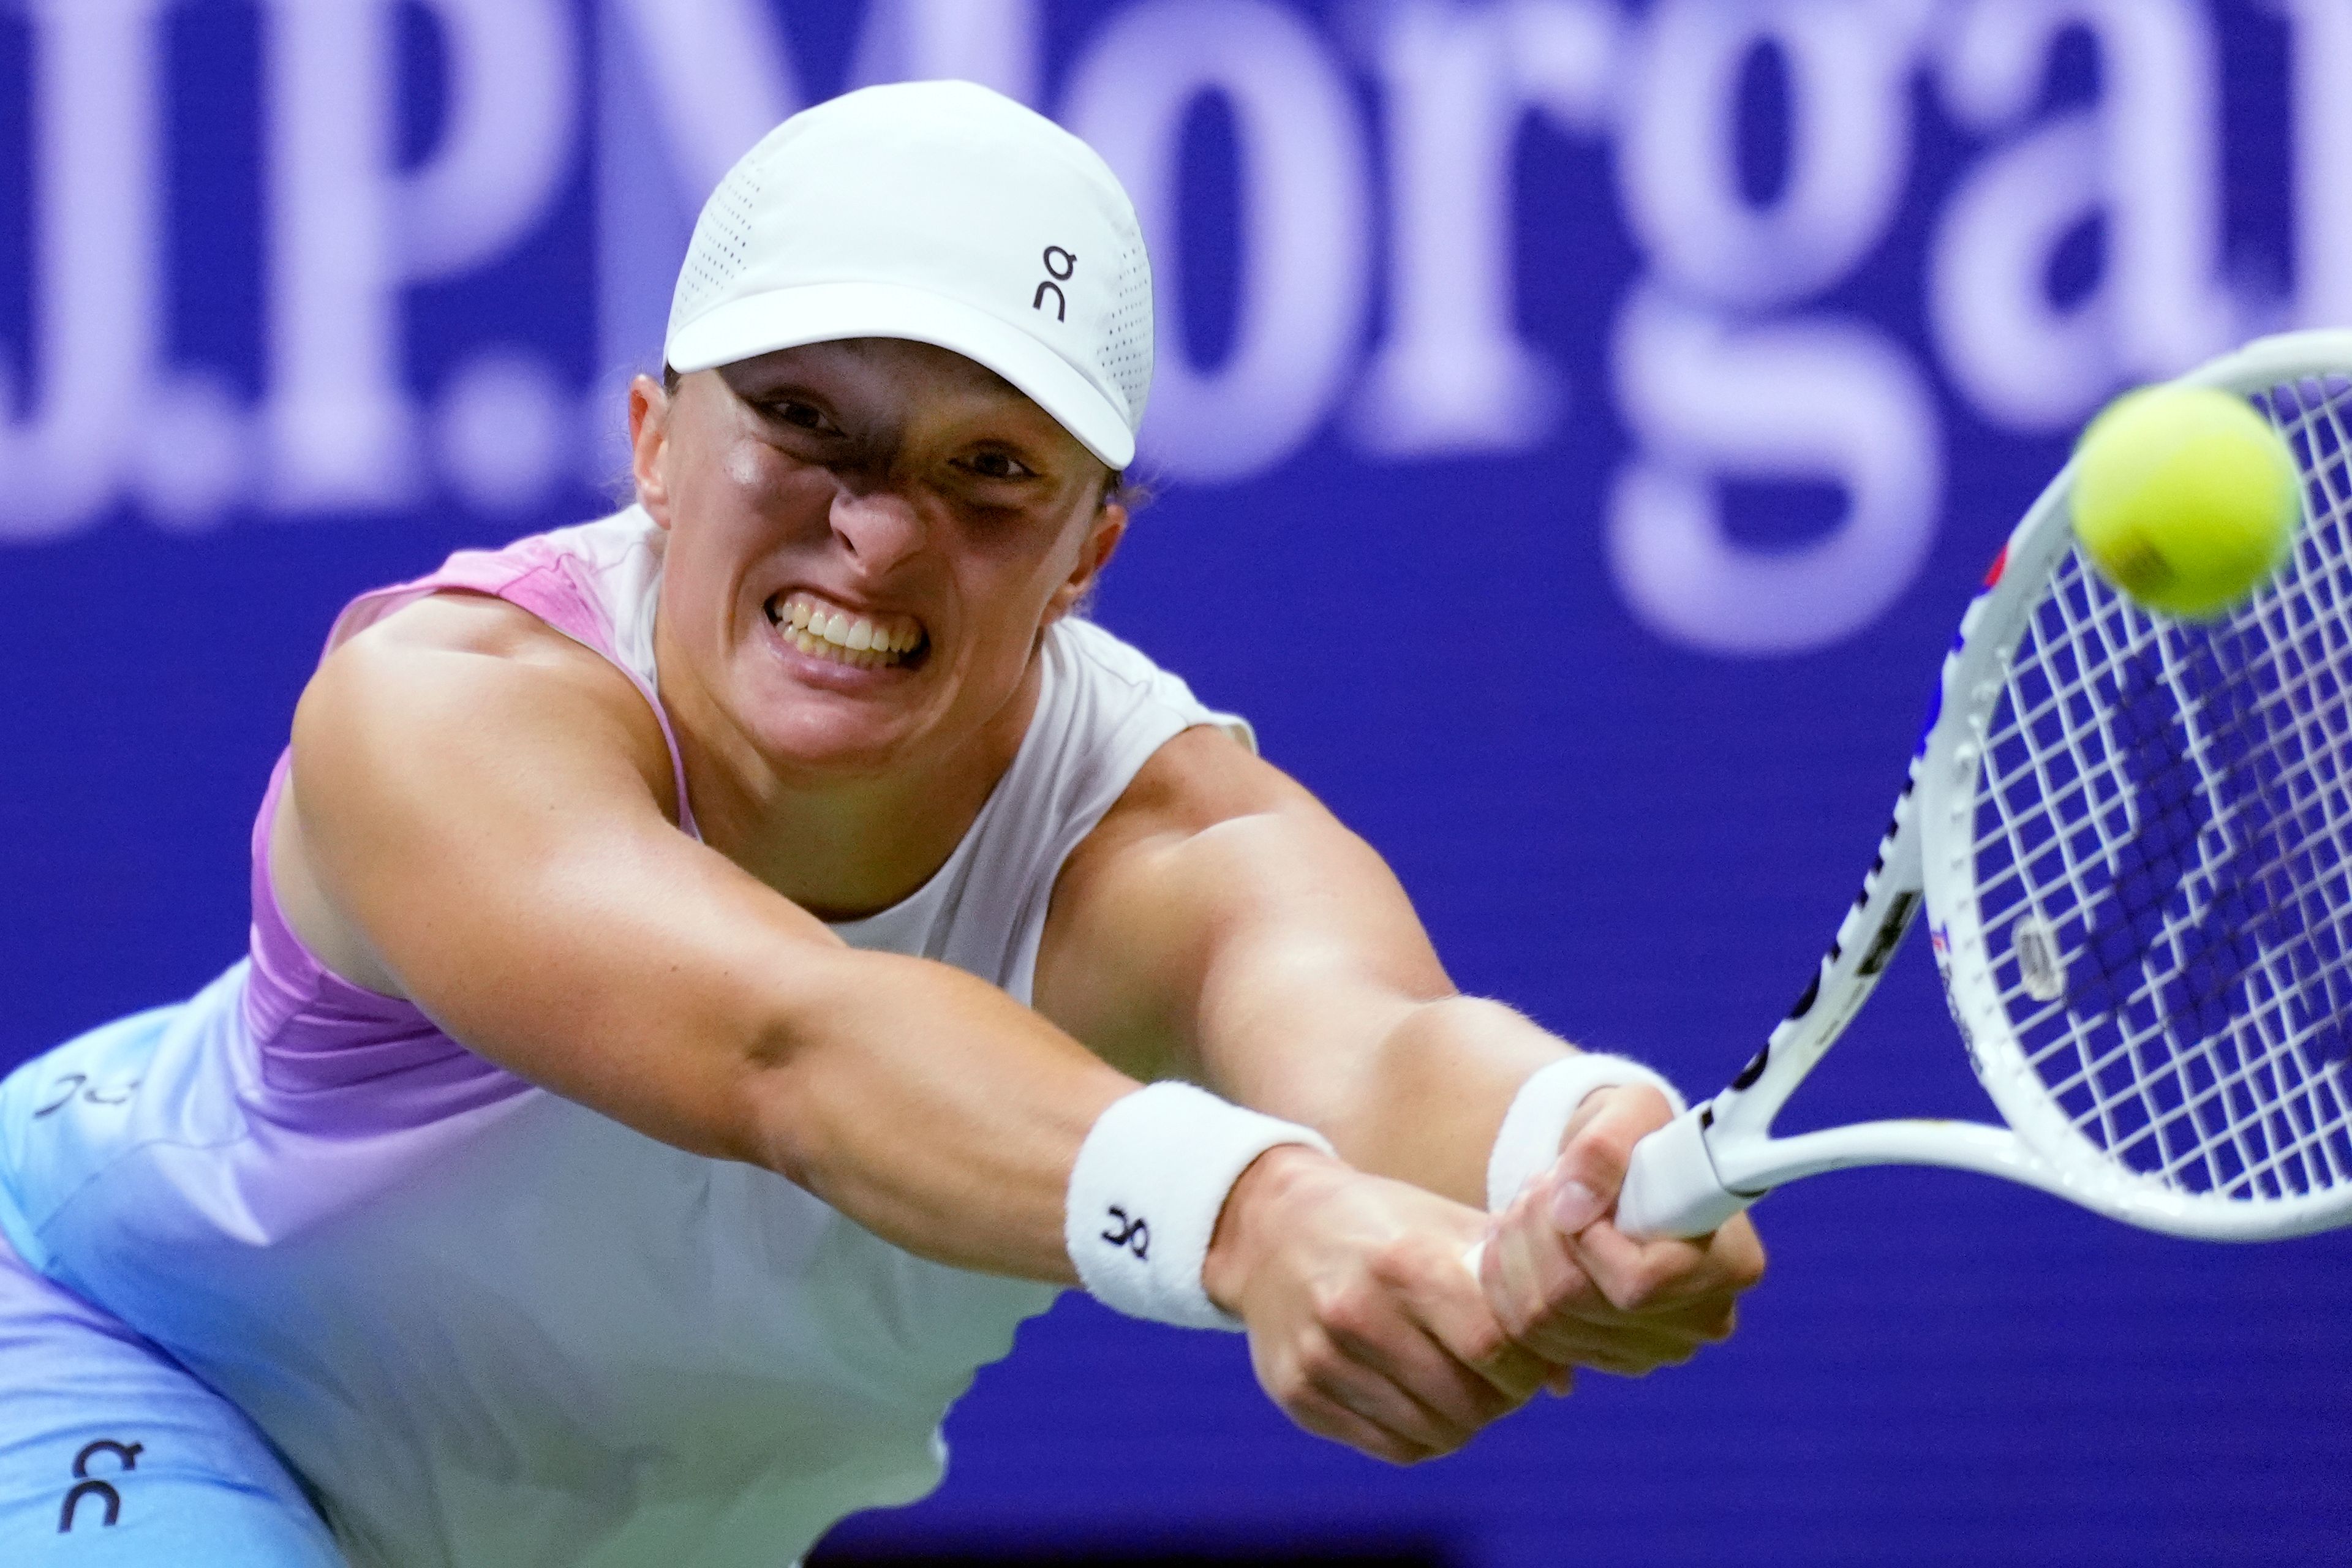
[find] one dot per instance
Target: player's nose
(877, 526)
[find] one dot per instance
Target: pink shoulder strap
(572, 580)
(567, 589)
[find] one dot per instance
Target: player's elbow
(777, 1139)
(814, 1064)
(780, 1116)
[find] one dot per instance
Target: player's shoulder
(473, 639)
(448, 662)
(457, 621)
(1199, 782)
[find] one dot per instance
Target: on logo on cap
(1068, 268)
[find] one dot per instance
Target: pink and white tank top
(490, 1325)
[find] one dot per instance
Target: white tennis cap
(937, 211)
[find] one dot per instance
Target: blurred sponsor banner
(360, 256)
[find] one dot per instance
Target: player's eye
(996, 464)
(802, 415)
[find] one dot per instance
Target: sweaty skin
(481, 820)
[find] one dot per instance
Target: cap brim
(828, 313)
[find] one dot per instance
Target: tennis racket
(2131, 837)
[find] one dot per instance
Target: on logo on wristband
(1177, 1150)
(1135, 1235)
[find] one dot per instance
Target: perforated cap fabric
(941, 212)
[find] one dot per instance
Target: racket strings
(2153, 1119)
(2324, 696)
(2163, 856)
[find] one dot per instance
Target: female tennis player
(716, 969)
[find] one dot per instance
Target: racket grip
(1671, 1188)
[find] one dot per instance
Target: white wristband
(1150, 1181)
(1539, 1117)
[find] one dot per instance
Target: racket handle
(1671, 1187)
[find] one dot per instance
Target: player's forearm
(1422, 1101)
(929, 1108)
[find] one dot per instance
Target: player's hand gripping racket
(2132, 837)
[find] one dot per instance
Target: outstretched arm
(1222, 924)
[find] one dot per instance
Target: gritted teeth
(824, 629)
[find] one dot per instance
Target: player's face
(866, 538)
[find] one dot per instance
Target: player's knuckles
(1630, 1287)
(1353, 1315)
(1289, 1386)
(1504, 1377)
(1419, 1416)
(1662, 1276)
(1546, 1277)
(1519, 1307)
(1498, 1350)
(1444, 1419)
(1323, 1367)
(1540, 1317)
(1325, 1390)
(1721, 1278)
(1482, 1341)
(1409, 1264)
(1443, 1384)
(1509, 1279)
(1449, 1400)
(1536, 1338)
(1563, 1284)
(1315, 1372)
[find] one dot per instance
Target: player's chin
(823, 728)
(835, 731)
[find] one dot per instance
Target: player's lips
(861, 639)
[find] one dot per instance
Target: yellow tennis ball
(2185, 498)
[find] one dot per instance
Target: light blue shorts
(112, 1453)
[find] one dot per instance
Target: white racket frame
(1691, 1175)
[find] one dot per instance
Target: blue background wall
(1580, 428)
